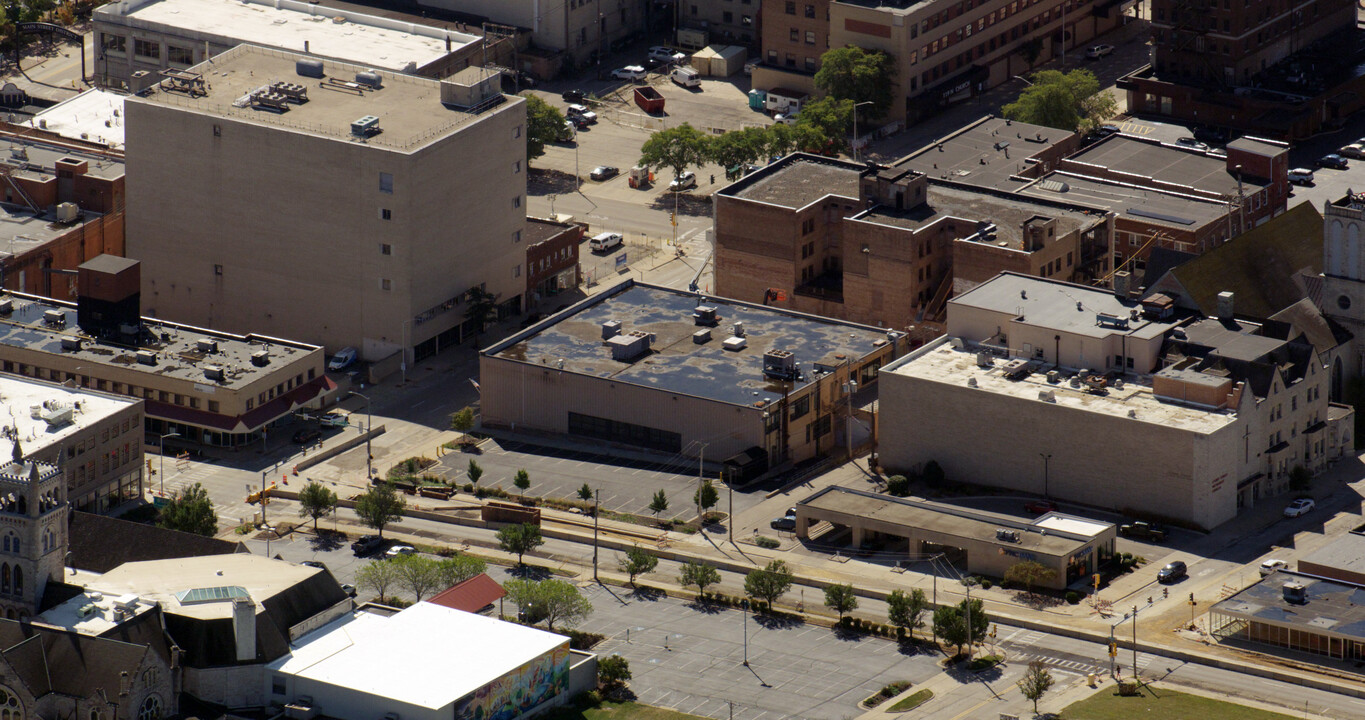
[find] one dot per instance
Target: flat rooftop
(539, 230)
(216, 578)
(1180, 212)
(408, 657)
(1054, 539)
(943, 363)
(328, 32)
(409, 108)
(1347, 552)
(22, 230)
(1165, 163)
(176, 346)
(30, 401)
(1056, 305)
(1008, 214)
(985, 153)
(93, 612)
(675, 363)
(93, 116)
(798, 182)
(1333, 606)
(1232, 339)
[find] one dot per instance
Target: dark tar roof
(798, 181)
(107, 263)
(677, 364)
(65, 662)
(1007, 213)
(1165, 163)
(100, 543)
(1333, 606)
(1345, 553)
(1001, 143)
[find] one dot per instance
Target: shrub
(898, 485)
(985, 584)
(1073, 597)
(764, 541)
(579, 640)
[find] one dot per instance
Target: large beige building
(1070, 392)
(308, 199)
(580, 30)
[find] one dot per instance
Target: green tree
(481, 308)
(520, 539)
(416, 574)
(316, 501)
(852, 73)
(736, 148)
(768, 583)
(613, 671)
(832, 116)
(659, 503)
(1029, 573)
(809, 138)
(779, 140)
(637, 561)
(380, 506)
(463, 420)
(522, 481)
(695, 573)
(1068, 101)
(840, 599)
(544, 123)
(906, 610)
(473, 472)
(549, 600)
(951, 624)
(377, 576)
(676, 148)
(455, 570)
(898, 485)
(706, 496)
(585, 493)
(191, 511)
(1035, 683)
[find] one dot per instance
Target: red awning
(472, 595)
(253, 420)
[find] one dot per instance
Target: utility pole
(1135, 667)
(701, 478)
(732, 514)
(1046, 457)
(596, 513)
(850, 387)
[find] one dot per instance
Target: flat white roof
(1071, 524)
(427, 655)
(289, 25)
(94, 115)
(161, 580)
(71, 410)
(99, 616)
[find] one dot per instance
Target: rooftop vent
(309, 68)
(984, 359)
(779, 364)
(1007, 535)
(735, 343)
(365, 126)
(260, 358)
(971, 382)
(701, 337)
(54, 318)
(1295, 593)
(72, 344)
(146, 357)
(739, 328)
(705, 315)
(370, 78)
(57, 414)
(206, 345)
(1047, 395)
(214, 372)
(611, 329)
(6, 306)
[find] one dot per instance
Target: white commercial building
(149, 36)
(427, 662)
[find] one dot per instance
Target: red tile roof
(472, 595)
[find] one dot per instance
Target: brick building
(551, 259)
(1279, 67)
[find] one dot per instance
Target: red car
(1041, 506)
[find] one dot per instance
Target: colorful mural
(520, 690)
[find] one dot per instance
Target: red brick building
(551, 259)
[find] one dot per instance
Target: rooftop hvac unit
(1295, 593)
(983, 359)
(260, 358)
(611, 329)
(739, 328)
(1118, 383)
(6, 306)
(1016, 368)
(59, 415)
(294, 91)
(67, 212)
(779, 363)
(55, 318)
(735, 343)
(71, 343)
(1007, 535)
(370, 78)
(705, 315)
(309, 68)
(701, 337)
(628, 347)
(126, 602)
(365, 126)
(206, 345)
(1054, 377)
(146, 357)
(86, 611)
(213, 372)
(1047, 396)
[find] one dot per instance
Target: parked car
(683, 182)
(1107, 130)
(313, 564)
(1271, 565)
(1144, 530)
(1354, 150)
(573, 96)
(1333, 161)
(399, 551)
(787, 522)
(1040, 506)
(1301, 176)
(1172, 572)
(566, 133)
(1095, 52)
(348, 588)
(666, 54)
(629, 72)
(333, 420)
(581, 111)
(604, 172)
(342, 359)
(603, 242)
(1191, 143)
(307, 435)
(1302, 506)
(577, 122)
(366, 544)
(749, 66)
(588, 117)
(1212, 135)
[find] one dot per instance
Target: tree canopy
(951, 624)
(695, 573)
(907, 609)
(659, 503)
(832, 116)
(1035, 683)
(544, 123)
(380, 506)
(1071, 101)
(852, 73)
(191, 511)
(637, 561)
(840, 599)
(769, 582)
(676, 148)
(416, 574)
(549, 600)
(316, 501)
(520, 539)
(706, 496)
(377, 576)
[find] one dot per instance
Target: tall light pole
(745, 604)
(855, 127)
(596, 513)
(850, 387)
(1045, 457)
(369, 469)
(162, 461)
(701, 479)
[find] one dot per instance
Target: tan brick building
(352, 209)
(886, 246)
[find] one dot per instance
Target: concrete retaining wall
(334, 451)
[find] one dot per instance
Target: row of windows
(995, 42)
(623, 432)
(147, 50)
(791, 9)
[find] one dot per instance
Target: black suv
(1172, 572)
(366, 544)
(307, 435)
(573, 96)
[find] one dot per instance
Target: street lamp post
(745, 604)
(369, 469)
(596, 513)
(1045, 457)
(162, 460)
(855, 127)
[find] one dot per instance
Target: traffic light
(1113, 648)
(1192, 600)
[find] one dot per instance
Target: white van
(686, 77)
(602, 242)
